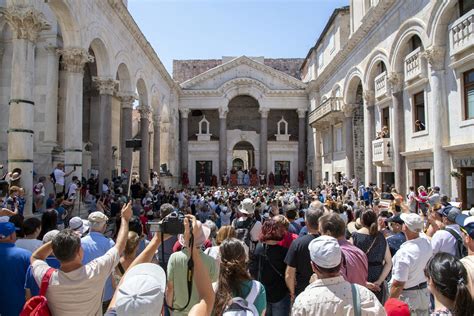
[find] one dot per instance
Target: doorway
(203, 172)
(422, 177)
(243, 156)
(388, 181)
(282, 172)
(467, 188)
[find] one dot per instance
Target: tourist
(467, 227)
(235, 281)
(373, 244)
(58, 178)
(330, 294)
(354, 266)
(291, 213)
(12, 201)
(247, 228)
(31, 229)
(166, 248)
(268, 267)
(177, 286)
(434, 220)
(225, 213)
(96, 245)
(39, 194)
(129, 254)
(61, 211)
(80, 226)
(422, 200)
(447, 239)
(75, 287)
(14, 262)
(49, 221)
(298, 271)
(434, 197)
(288, 237)
(448, 282)
(408, 282)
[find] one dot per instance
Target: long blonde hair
(132, 243)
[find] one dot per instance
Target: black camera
(172, 224)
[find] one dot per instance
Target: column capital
(105, 85)
(264, 112)
(74, 58)
(348, 109)
(26, 22)
(396, 81)
(144, 111)
(301, 113)
(435, 57)
(369, 97)
(223, 112)
(184, 112)
(127, 99)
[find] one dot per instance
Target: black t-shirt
(298, 258)
(272, 270)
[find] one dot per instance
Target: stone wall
(358, 140)
(290, 66)
(196, 116)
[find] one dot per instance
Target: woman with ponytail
(447, 281)
(373, 244)
(234, 279)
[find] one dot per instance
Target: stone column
(51, 106)
(106, 87)
(435, 57)
(156, 142)
(184, 140)
(26, 24)
(317, 156)
(264, 139)
(348, 131)
(397, 132)
(369, 119)
(222, 142)
(302, 141)
(144, 150)
(126, 101)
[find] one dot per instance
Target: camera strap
(189, 274)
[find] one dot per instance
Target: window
(415, 42)
(331, 43)
(465, 6)
(320, 59)
(468, 82)
(326, 141)
(386, 119)
(381, 68)
(419, 109)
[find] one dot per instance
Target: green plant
(456, 174)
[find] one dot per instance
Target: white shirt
(59, 176)
(443, 241)
(333, 296)
(29, 244)
(410, 261)
(78, 292)
(71, 190)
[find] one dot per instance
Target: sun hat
(394, 307)
(325, 252)
(142, 290)
(200, 238)
(247, 207)
(413, 221)
(97, 217)
(79, 225)
(49, 236)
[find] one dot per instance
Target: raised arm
(122, 235)
(42, 252)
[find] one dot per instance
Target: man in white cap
(81, 226)
(408, 281)
(247, 228)
(330, 293)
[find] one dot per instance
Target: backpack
(244, 307)
(242, 231)
(38, 305)
(461, 250)
(52, 177)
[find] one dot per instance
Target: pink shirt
(355, 265)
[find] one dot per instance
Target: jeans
(280, 308)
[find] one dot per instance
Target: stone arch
(250, 140)
(243, 86)
(70, 27)
(353, 79)
(123, 76)
(243, 113)
(439, 20)
(102, 58)
(378, 56)
(336, 91)
(142, 92)
(399, 46)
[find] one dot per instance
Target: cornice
(243, 60)
(122, 11)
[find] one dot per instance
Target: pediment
(243, 69)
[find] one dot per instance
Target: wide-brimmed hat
(247, 207)
(79, 225)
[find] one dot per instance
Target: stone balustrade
(331, 105)
(381, 85)
(382, 152)
(413, 65)
(461, 35)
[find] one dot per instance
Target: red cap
(395, 307)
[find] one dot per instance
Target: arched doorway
(243, 156)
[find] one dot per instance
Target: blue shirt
(395, 241)
(60, 211)
(303, 231)
(95, 245)
(14, 263)
(30, 282)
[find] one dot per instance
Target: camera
(172, 224)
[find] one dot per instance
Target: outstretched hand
(127, 211)
(190, 222)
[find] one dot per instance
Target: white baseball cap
(79, 225)
(325, 252)
(413, 222)
(142, 291)
(98, 217)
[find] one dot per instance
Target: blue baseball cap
(466, 223)
(6, 229)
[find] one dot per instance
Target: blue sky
(208, 29)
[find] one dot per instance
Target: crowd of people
(341, 248)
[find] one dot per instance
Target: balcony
(382, 152)
(328, 108)
(381, 85)
(461, 35)
(414, 65)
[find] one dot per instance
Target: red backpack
(38, 305)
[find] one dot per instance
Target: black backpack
(52, 177)
(461, 250)
(242, 231)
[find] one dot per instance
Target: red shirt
(287, 240)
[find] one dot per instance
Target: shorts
(417, 300)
